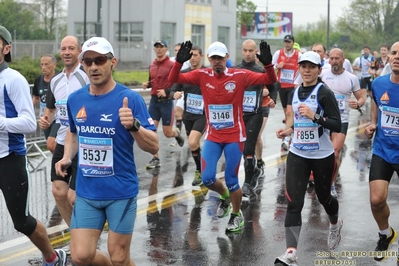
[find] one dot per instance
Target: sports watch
(136, 125)
(316, 118)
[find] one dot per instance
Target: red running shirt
(223, 96)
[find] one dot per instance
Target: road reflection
(362, 152)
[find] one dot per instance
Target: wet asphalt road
(176, 222)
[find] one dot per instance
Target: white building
(142, 22)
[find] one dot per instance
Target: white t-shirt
(185, 64)
(387, 70)
(61, 87)
(356, 63)
(343, 85)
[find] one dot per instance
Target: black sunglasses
(99, 60)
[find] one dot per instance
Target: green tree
(370, 22)
(18, 19)
(245, 12)
(49, 10)
(315, 33)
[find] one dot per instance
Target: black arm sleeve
(50, 100)
(290, 96)
(331, 116)
(175, 87)
(273, 91)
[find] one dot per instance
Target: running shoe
(223, 208)
(235, 224)
(383, 244)
(179, 138)
(255, 178)
(62, 258)
(154, 163)
(334, 237)
(287, 259)
(197, 179)
(246, 190)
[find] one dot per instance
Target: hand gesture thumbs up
(125, 114)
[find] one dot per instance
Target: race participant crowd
(93, 174)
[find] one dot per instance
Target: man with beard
(223, 93)
(343, 84)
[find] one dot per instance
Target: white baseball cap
(311, 57)
(217, 48)
(96, 44)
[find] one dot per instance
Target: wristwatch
(136, 125)
(316, 118)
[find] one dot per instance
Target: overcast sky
(304, 11)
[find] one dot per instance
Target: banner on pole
(271, 25)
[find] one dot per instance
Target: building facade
(132, 26)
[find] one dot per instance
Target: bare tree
(48, 11)
(370, 22)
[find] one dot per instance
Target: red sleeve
(174, 74)
(183, 78)
(254, 78)
(270, 74)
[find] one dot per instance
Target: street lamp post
(84, 20)
(328, 25)
(267, 19)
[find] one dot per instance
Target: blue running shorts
(92, 214)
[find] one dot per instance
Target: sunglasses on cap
(99, 60)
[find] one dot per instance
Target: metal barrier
(35, 154)
(41, 203)
(35, 142)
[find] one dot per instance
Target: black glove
(184, 52)
(265, 56)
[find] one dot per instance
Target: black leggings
(297, 177)
(253, 124)
(14, 183)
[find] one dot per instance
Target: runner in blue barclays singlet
(101, 154)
